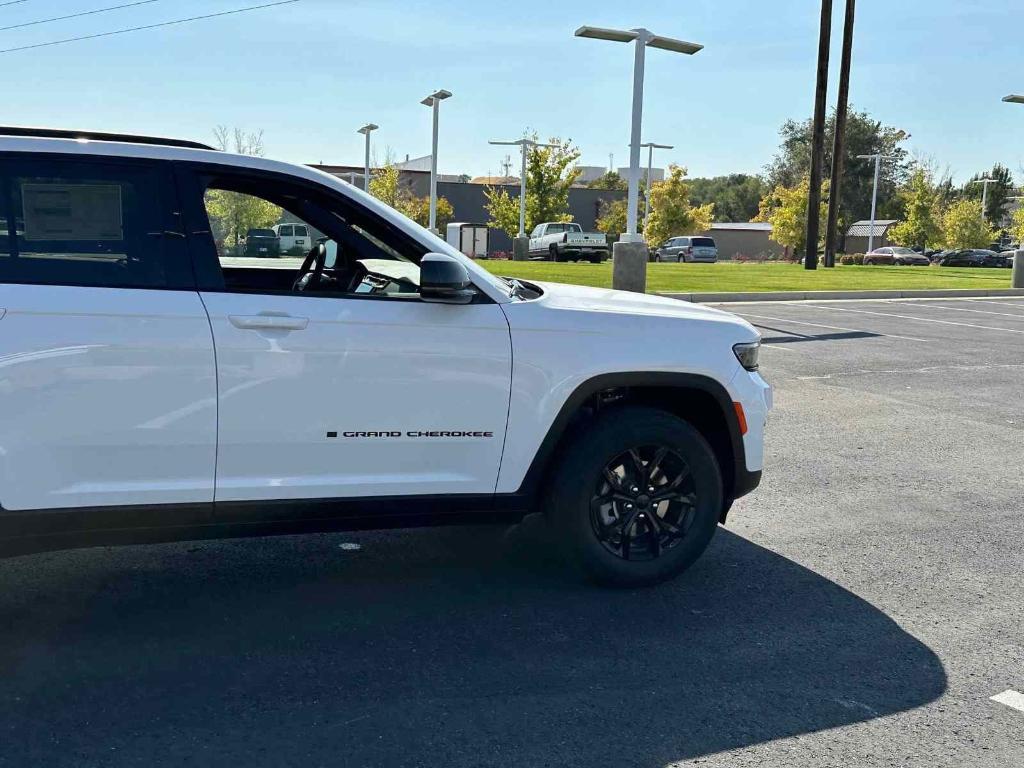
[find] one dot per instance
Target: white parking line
(833, 327)
(919, 319)
(1018, 304)
(1011, 698)
(959, 309)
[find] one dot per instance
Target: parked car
(880, 256)
(193, 397)
(293, 238)
(908, 257)
(262, 243)
(566, 241)
(688, 249)
(973, 257)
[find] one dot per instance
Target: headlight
(747, 354)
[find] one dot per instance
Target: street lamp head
(366, 129)
(1014, 98)
(648, 39)
(615, 35)
(657, 146)
(671, 44)
(436, 96)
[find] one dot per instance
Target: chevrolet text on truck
(153, 389)
(566, 241)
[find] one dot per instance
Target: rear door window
(703, 242)
(90, 223)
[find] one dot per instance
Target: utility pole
(984, 193)
(434, 102)
(839, 142)
(366, 130)
(521, 243)
(818, 137)
(650, 146)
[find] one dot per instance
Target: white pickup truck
(565, 241)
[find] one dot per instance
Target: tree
(671, 212)
(233, 214)
(998, 197)
(864, 136)
(922, 212)
(611, 217)
(418, 209)
(785, 208)
(610, 180)
(963, 226)
(550, 172)
(387, 187)
(1017, 225)
(736, 196)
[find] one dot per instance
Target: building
(744, 241)
(589, 173)
(469, 199)
(858, 236)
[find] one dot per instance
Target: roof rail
(60, 133)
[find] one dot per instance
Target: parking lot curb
(939, 293)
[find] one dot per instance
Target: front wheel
(636, 498)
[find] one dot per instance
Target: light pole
(874, 194)
(1017, 280)
(521, 244)
(630, 260)
(366, 130)
(434, 102)
(985, 181)
(651, 146)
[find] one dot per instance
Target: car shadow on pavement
(444, 647)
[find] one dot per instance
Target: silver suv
(688, 249)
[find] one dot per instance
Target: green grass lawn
(730, 276)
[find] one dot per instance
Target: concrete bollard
(629, 267)
(520, 249)
(1017, 280)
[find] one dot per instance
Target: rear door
(107, 375)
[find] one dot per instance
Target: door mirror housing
(444, 280)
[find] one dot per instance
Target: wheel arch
(697, 399)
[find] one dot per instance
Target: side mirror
(444, 280)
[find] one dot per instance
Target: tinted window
(555, 228)
(89, 224)
(301, 231)
(702, 242)
(285, 230)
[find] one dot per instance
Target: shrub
(858, 258)
(846, 259)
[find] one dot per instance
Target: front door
(107, 375)
(346, 385)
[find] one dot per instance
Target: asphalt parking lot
(859, 610)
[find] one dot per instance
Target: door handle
(269, 322)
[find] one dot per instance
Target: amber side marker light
(741, 417)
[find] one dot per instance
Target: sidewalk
(938, 293)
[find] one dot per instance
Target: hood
(605, 300)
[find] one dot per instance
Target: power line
(77, 15)
(147, 26)
(13, 2)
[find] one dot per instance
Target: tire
(615, 544)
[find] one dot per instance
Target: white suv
(154, 388)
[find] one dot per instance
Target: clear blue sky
(311, 73)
